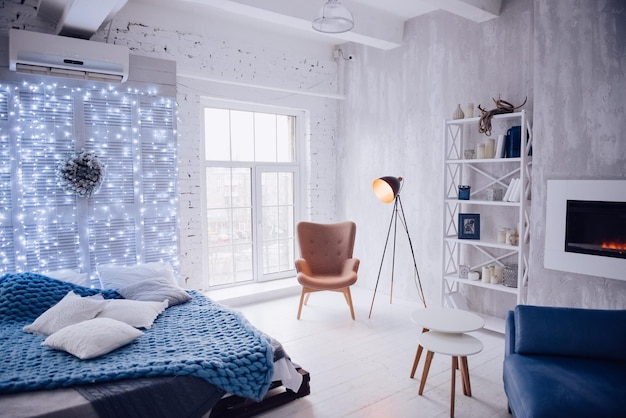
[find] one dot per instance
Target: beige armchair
(326, 261)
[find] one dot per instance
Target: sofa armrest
(509, 334)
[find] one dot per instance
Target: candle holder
(464, 192)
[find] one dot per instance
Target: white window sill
(255, 292)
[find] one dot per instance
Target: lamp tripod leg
(393, 256)
(393, 216)
(406, 229)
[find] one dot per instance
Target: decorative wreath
(81, 173)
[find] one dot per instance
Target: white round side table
(444, 320)
(457, 345)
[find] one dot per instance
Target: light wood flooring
(361, 368)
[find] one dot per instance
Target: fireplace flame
(614, 245)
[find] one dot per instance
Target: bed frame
(277, 395)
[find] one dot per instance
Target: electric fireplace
(596, 228)
(586, 227)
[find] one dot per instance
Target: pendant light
(333, 18)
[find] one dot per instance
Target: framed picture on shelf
(469, 225)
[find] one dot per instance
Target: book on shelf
(513, 191)
(499, 147)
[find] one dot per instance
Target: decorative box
(495, 194)
(510, 275)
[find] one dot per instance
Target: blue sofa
(565, 362)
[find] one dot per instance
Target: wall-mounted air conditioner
(61, 56)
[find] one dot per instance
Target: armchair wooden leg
(301, 301)
(348, 296)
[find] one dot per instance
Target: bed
(189, 357)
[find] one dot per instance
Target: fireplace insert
(596, 228)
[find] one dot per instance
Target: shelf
(492, 323)
(484, 160)
(478, 283)
(473, 121)
(483, 202)
(483, 243)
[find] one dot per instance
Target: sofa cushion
(546, 386)
(589, 333)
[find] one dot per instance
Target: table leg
(418, 354)
(455, 364)
(467, 387)
(429, 359)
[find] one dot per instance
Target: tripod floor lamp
(387, 189)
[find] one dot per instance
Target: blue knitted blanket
(199, 338)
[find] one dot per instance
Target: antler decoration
(502, 106)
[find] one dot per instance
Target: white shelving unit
(483, 174)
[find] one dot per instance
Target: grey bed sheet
(55, 403)
(165, 396)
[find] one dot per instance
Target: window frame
(256, 168)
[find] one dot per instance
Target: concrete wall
(567, 58)
(224, 63)
(580, 120)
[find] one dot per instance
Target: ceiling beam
(372, 27)
(476, 10)
(82, 18)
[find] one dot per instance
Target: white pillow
(69, 310)
(115, 277)
(69, 275)
(138, 314)
(92, 338)
(155, 289)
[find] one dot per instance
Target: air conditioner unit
(61, 56)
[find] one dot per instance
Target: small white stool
(459, 346)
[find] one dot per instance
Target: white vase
(458, 113)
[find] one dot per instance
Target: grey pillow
(157, 290)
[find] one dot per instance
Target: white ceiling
(379, 24)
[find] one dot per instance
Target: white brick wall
(219, 57)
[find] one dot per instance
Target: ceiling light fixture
(333, 18)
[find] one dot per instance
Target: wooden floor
(361, 368)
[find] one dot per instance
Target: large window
(251, 190)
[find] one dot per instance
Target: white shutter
(49, 223)
(42, 226)
(7, 249)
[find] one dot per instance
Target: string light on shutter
(44, 227)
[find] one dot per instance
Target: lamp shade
(387, 188)
(333, 18)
